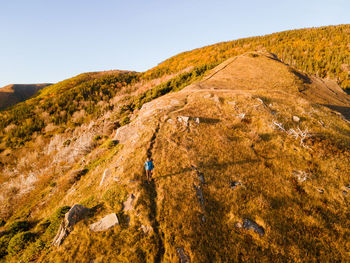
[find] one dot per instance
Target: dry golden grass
(236, 140)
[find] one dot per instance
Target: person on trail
(149, 169)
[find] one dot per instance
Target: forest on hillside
(324, 52)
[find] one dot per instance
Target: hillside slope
(254, 145)
(320, 51)
(15, 93)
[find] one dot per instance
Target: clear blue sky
(48, 40)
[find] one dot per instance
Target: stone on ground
(184, 258)
(129, 203)
(250, 224)
(105, 223)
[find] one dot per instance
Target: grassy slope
(301, 224)
(322, 51)
(191, 147)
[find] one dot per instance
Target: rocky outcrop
(186, 119)
(105, 223)
(74, 215)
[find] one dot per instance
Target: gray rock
(129, 203)
(146, 229)
(105, 176)
(105, 223)
(184, 258)
(321, 191)
(216, 99)
(302, 176)
(201, 177)
(250, 224)
(183, 119)
(75, 214)
(199, 194)
(296, 119)
(234, 184)
(238, 225)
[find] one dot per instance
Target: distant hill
(15, 93)
(322, 51)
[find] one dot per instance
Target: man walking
(149, 169)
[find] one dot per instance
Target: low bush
(125, 120)
(114, 197)
(20, 242)
(4, 242)
(19, 226)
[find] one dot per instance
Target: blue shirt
(149, 165)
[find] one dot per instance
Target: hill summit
(251, 164)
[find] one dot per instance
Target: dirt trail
(151, 190)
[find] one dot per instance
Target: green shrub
(43, 225)
(97, 138)
(2, 222)
(111, 144)
(4, 242)
(67, 143)
(19, 226)
(55, 222)
(33, 251)
(125, 120)
(19, 242)
(114, 197)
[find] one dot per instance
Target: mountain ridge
(15, 93)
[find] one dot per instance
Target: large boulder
(74, 215)
(105, 223)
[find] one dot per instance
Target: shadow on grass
(216, 166)
(345, 111)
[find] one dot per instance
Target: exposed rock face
(105, 223)
(186, 120)
(250, 224)
(75, 214)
